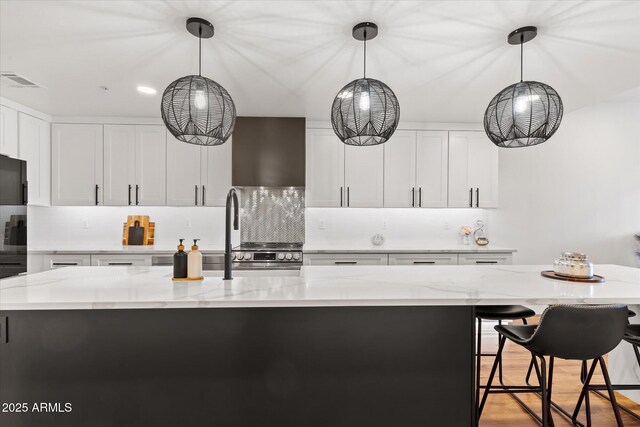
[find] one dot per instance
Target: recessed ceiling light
(147, 90)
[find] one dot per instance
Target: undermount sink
(253, 273)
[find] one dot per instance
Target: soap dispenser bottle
(180, 262)
(195, 261)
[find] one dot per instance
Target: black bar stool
(499, 313)
(574, 332)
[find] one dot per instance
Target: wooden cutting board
(149, 229)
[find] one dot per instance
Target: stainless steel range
(268, 256)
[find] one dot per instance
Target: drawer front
(60, 261)
(120, 260)
(485, 259)
(423, 259)
(345, 259)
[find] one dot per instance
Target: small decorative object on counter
(377, 240)
(148, 230)
(136, 234)
(573, 264)
(465, 232)
(180, 262)
(195, 262)
(479, 234)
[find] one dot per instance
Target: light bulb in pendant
(523, 103)
(365, 103)
(200, 100)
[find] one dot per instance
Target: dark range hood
(269, 152)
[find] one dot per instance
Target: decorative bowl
(573, 264)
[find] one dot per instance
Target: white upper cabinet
(324, 169)
(119, 164)
(432, 154)
(151, 165)
(400, 170)
(77, 165)
(134, 165)
(473, 170)
(215, 174)
(197, 175)
(34, 146)
(8, 132)
(415, 169)
(183, 173)
(364, 176)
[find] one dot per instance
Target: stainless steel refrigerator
(13, 217)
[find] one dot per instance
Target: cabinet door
(125, 260)
(324, 169)
(460, 189)
(215, 174)
(483, 259)
(52, 261)
(364, 176)
(8, 132)
(400, 170)
(151, 166)
(183, 173)
(432, 157)
(119, 164)
(423, 259)
(77, 165)
(34, 146)
(483, 170)
(345, 259)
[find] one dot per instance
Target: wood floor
(502, 411)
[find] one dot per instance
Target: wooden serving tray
(186, 279)
(552, 275)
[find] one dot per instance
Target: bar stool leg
(491, 375)
(478, 363)
(549, 385)
(612, 396)
(543, 385)
(583, 393)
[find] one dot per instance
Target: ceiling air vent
(16, 80)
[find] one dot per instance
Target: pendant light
(195, 109)
(365, 111)
(526, 113)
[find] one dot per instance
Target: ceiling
(444, 60)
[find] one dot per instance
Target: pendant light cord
(365, 54)
(200, 50)
(521, 54)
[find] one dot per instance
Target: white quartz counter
(405, 249)
(151, 287)
(119, 249)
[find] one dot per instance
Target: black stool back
(579, 332)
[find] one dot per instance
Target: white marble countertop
(405, 248)
(119, 249)
(151, 287)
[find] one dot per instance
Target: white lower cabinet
(52, 261)
(482, 259)
(345, 259)
(423, 259)
(120, 260)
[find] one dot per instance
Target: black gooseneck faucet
(232, 198)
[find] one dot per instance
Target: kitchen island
(375, 346)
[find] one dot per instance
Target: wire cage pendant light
(365, 111)
(526, 113)
(195, 109)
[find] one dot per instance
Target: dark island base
(320, 366)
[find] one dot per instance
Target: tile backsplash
(272, 214)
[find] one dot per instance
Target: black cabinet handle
(486, 262)
(196, 196)
(341, 190)
(477, 197)
(137, 194)
(120, 263)
(471, 197)
(25, 193)
(345, 262)
(97, 187)
(420, 197)
(413, 197)
(64, 263)
(348, 196)
(203, 196)
(424, 262)
(129, 194)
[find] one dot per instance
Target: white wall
(65, 227)
(579, 191)
(326, 227)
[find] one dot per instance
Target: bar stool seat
(517, 333)
(503, 312)
(632, 335)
